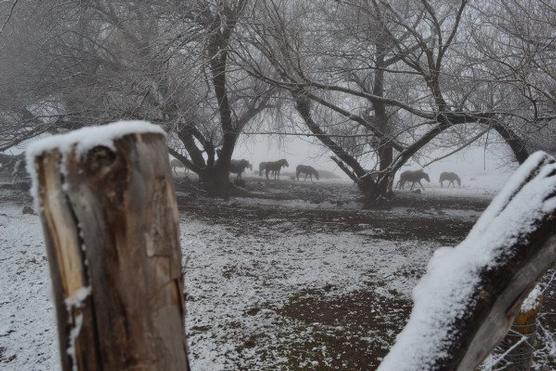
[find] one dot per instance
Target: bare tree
(399, 72)
(166, 62)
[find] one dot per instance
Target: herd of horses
(415, 176)
(16, 166)
(271, 168)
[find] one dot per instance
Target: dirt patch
(350, 332)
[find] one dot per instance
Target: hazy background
(486, 165)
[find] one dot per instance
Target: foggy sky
(470, 162)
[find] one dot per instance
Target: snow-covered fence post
(471, 294)
(108, 208)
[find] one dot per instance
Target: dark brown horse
(262, 167)
(413, 176)
(449, 177)
(274, 167)
(309, 171)
(239, 166)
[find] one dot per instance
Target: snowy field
(304, 283)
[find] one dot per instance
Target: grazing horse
(449, 177)
(176, 164)
(273, 167)
(309, 171)
(413, 176)
(239, 166)
(262, 167)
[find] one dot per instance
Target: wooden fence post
(108, 208)
(519, 344)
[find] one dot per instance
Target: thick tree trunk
(216, 181)
(385, 150)
(111, 227)
(385, 156)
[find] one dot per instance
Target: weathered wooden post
(471, 294)
(520, 342)
(108, 208)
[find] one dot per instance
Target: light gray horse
(309, 171)
(413, 176)
(273, 167)
(176, 164)
(449, 177)
(239, 166)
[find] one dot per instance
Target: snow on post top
(84, 139)
(88, 137)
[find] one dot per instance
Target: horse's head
(284, 162)
(425, 176)
(316, 174)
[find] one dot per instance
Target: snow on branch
(467, 300)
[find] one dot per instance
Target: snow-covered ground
(236, 285)
(270, 284)
(27, 327)
(229, 276)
